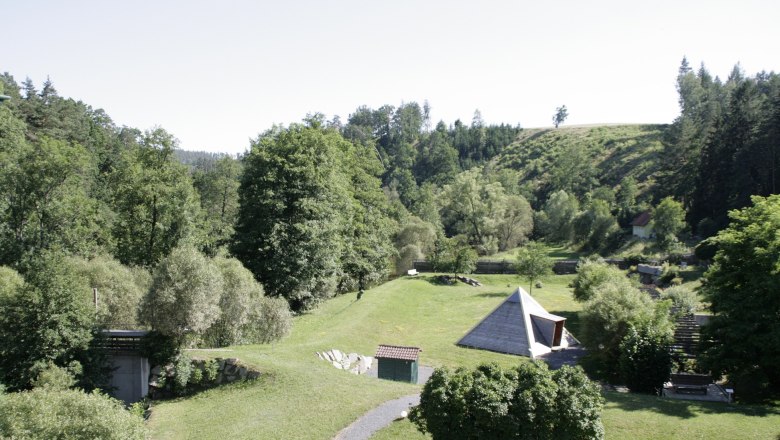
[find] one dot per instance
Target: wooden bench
(412, 272)
(690, 383)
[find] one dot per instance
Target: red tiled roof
(397, 352)
(642, 219)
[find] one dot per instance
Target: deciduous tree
(292, 198)
(526, 402)
(561, 113)
(184, 296)
(48, 320)
(668, 220)
(606, 317)
(743, 288)
(155, 202)
(533, 263)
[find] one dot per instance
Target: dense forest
(214, 250)
(325, 206)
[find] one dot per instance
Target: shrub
(706, 250)
(184, 297)
(211, 369)
(119, 293)
(606, 318)
(707, 227)
(64, 414)
(645, 359)
(591, 274)
(635, 259)
(675, 257)
(751, 385)
(196, 377)
(271, 320)
(182, 371)
(668, 273)
(47, 321)
(55, 378)
(240, 294)
(528, 401)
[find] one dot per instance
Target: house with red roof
(642, 226)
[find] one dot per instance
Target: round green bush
(64, 414)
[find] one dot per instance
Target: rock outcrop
(352, 362)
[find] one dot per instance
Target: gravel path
(376, 419)
(384, 414)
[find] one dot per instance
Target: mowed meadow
(302, 397)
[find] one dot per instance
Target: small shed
(398, 363)
(642, 227)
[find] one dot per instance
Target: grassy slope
(556, 252)
(617, 151)
(303, 397)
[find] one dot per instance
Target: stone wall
(204, 374)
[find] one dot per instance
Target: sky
(218, 73)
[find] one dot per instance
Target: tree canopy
(48, 319)
(533, 263)
(526, 402)
(743, 288)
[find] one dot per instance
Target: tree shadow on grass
(692, 274)
(493, 295)
(439, 280)
(683, 409)
(561, 253)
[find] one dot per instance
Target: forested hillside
(189, 244)
(378, 189)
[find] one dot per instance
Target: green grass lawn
(644, 417)
(556, 252)
(300, 396)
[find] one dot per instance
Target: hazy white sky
(216, 73)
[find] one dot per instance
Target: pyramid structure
(520, 326)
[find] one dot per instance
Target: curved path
(376, 419)
(384, 414)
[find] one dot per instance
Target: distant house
(642, 227)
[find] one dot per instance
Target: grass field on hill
(616, 151)
(302, 397)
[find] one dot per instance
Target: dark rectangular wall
(397, 369)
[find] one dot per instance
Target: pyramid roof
(520, 326)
